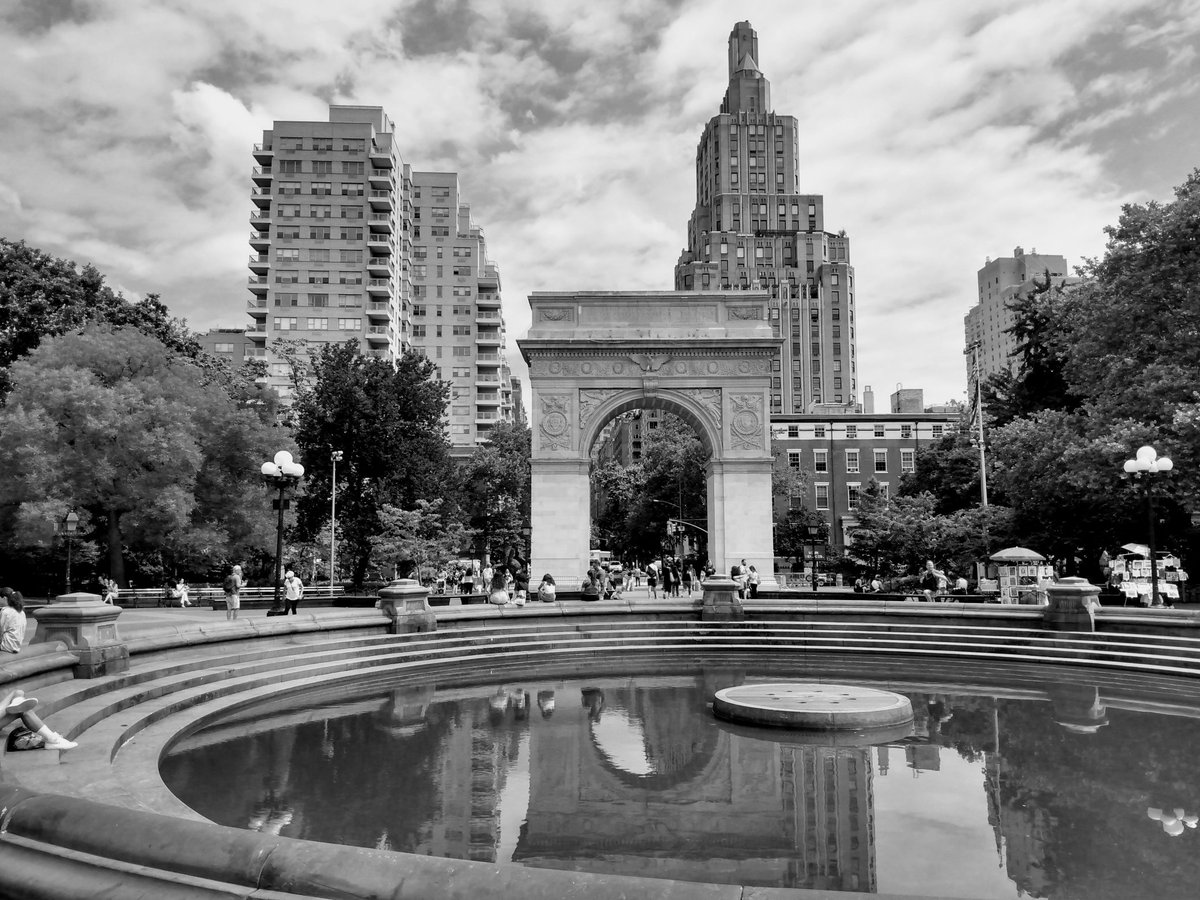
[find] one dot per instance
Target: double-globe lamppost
(1146, 463)
(814, 537)
(283, 473)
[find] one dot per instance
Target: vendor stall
(1022, 575)
(1131, 576)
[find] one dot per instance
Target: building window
(322, 167)
(820, 460)
(794, 459)
(285, 324)
(315, 324)
(907, 461)
(282, 254)
(289, 166)
(322, 188)
(793, 431)
(884, 490)
(852, 432)
(937, 431)
(349, 324)
(821, 495)
(880, 461)
(223, 348)
(878, 430)
(852, 490)
(852, 462)
(819, 431)
(319, 300)
(905, 431)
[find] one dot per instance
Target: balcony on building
(380, 222)
(261, 197)
(380, 200)
(257, 306)
(258, 284)
(262, 175)
(488, 360)
(376, 354)
(378, 309)
(264, 153)
(487, 400)
(484, 417)
(378, 286)
(379, 266)
(489, 300)
(490, 339)
(254, 353)
(377, 334)
(261, 219)
(489, 276)
(487, 380)
(257, 331)
(488, 317)
(260, 240)
(381, 157)
(378, 242)
(260, 263)
(380, 178)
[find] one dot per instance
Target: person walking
(652, 580)
(233, 593)
(688, 577)
(293, 592)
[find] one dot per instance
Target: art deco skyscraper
(753, 230)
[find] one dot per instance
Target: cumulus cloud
(940, 133)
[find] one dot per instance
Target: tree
(496, 489)
(113, 422)
(791, 533)
(42, 296)
(417, 538)
(387, 421)
(949, 471)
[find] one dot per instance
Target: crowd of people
(34, 733)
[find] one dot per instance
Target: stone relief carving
(556, 314)
(746, 423)
(709, 399)
(555, 426)
(649, 363)
(745, 312)
(590, 400)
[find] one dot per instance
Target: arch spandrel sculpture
(705, 357)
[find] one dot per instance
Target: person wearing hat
(293, 589)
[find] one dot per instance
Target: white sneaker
(21, 705)
(58, 742)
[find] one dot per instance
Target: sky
(940, 133)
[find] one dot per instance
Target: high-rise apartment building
(456, 318)
(350, 243)
(753, 229)
(331, 236)
(989, 346)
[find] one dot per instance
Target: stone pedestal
(88, 626)
(1072, 605)
(406, 604)
(720, 601)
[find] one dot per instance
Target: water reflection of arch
(699, 408)
(664, 735)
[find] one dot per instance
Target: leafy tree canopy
(495, 489)
(387, 421)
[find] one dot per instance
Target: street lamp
(335, 457)
(283, 473)
(1147, 462)
(69, 525)
(814, 532)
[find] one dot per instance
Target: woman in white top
(12, 622)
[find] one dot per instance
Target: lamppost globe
(1147, 462)
(283, 472)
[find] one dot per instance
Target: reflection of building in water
(474, 762)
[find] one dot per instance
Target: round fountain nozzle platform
(812, 706)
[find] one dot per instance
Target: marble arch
(706, 357)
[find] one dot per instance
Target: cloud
(939, 133)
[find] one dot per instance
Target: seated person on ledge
(17, 705)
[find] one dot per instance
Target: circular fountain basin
(812, 706)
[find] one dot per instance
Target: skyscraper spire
(748, 90)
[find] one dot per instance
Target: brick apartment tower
(752, 229)
(349, 243)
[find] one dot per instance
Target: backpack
(230, 583)
(22, 738)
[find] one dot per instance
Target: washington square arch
(704, 357)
